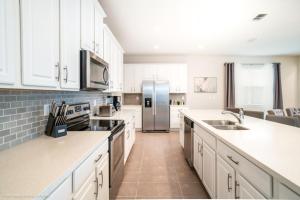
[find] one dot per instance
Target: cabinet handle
(229, 177)
(101, 173)
(199, 148)
(235, 162)
(237, 185)
(67, 73)
(128, 135)
(58, 71)
(99, 157)
(97, 189)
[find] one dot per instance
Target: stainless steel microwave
(94, 73)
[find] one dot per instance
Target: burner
(104, 125)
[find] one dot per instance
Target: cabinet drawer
(81, 174)
(63, 191)
(207, 137)
(256, 176)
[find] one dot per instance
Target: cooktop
(104, 125)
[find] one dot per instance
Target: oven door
(94, 73)
(116, 153)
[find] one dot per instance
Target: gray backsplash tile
(21, 112)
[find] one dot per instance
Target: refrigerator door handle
(154, 96)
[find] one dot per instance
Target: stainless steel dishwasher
(188, 140)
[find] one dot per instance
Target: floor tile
(156, 169)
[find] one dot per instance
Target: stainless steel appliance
(78, 120)
(94, 73)
(106, 110)
(156, 107)
(188, 140)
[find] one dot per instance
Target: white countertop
(272, 146)
(125, 114)
(35, 168)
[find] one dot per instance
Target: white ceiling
(215, 27)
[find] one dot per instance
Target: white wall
(213, 66)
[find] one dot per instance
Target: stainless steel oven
(116, 151)
(94, 73)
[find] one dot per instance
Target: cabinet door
(174, 118)
(102, 171)
(120, 69)
(9, 41)
(64, 191)
(182, 82)
(87, 25)
(40, 42)
(98, 30)
(129, 78)
(88, 189)
(209, 169)
(198, 155)
(225, 180)
(286, 193)
(70, 43)
(107, 41)
(181, 131)
(127, 142)
(245, 190)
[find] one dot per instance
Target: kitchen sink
(229, 127)
(219, 122)
(224, 125)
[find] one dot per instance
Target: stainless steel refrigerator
(156, 106)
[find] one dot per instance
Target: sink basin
(219, 122)
(229, 127)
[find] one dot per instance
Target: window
(254, 86)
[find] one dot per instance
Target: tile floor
(156, 168)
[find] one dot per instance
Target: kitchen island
(270, 149)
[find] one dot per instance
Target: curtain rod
(254, 63)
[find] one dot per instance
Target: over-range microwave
(94, 73)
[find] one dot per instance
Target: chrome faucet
(239, 117)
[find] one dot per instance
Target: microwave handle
(104, 72)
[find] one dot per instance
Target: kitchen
(149, 99)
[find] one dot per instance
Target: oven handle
(119, 133)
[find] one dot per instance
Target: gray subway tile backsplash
(22, 112)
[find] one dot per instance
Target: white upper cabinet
(176, 74)
(99, 15)
(70, 43)
(9, 41)
(40, 42)
(113, 55)
(92, 16)
(87, 25)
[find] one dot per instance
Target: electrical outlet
(46, 109)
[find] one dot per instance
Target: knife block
(53, 130)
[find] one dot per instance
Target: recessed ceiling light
(156, 46)
(259, 17)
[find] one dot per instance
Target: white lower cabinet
(102, 179)
(198, 159)
(244, 190)
(63, 191)
(209, 169)
(181, 130)
(175, 115)
(286, 193)
(225, 180)
(88, 189)
(129, 139)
